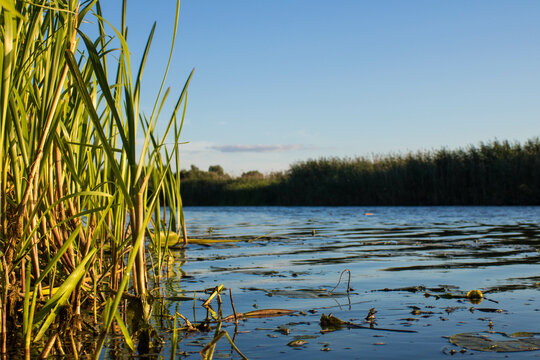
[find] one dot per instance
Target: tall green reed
(75, 199)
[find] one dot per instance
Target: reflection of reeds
(75, 195)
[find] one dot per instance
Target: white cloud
(238, 158)
(258, 148)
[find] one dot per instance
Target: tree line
(493, 173)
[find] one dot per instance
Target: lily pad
(497, 341)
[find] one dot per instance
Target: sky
(282, 81)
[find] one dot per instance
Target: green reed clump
(495, 173)
(75, 204)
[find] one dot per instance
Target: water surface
(411, 264)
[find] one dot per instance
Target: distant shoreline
(495, 173)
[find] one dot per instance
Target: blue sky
(287, 80)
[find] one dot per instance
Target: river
(412, 265)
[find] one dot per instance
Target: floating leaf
(260, 314)
(497, 341)
(268, 312)
(172, 239)
(296, 343)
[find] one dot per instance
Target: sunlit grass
(76, 194)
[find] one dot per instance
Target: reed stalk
(76, 197)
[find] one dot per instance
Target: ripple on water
(425, 258)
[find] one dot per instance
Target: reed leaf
(53, 262)
(81, 87)
(71, 179)
(124, 330)
(9, 5)
(61, 295)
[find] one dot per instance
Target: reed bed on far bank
(75, 199)
(493, 173)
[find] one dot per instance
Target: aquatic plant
(75, 199)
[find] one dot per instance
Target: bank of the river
(494, 173)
